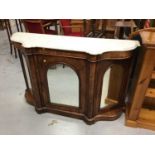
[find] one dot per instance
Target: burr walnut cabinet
(89, 60)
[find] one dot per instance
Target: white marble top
(83, 44)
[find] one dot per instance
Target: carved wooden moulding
(76, 76)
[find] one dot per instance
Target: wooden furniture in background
(123, 24)
(79, 23)
(9, 33)
(109, 26)
(40, 26)
(2, 24)
(12, 26)
(140, 110)
(71, 27)
(95, 27)
(90, 64)
(19, 25)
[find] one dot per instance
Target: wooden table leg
(9, 33)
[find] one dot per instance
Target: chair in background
(19, 25)
(124, 28)
(7, 26)
(2, 24)
(95, 28)
(71, 28)
(40, 26)
(101, 28)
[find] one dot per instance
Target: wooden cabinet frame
(90, 70)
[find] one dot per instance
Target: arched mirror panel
(63, 83)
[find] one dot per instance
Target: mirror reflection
(27, 72)
(63, 85)
(111, 85)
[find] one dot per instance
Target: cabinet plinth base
(29, 97)
(109, 116)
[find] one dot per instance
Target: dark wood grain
(90, 70)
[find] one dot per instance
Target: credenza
(89, 60)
